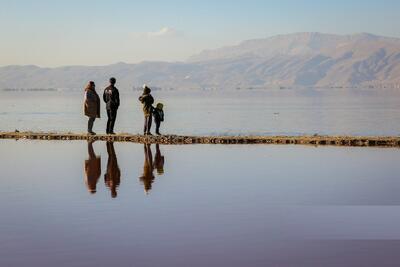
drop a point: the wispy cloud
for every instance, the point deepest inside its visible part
(163, 32)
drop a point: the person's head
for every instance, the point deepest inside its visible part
(113, 81)
(159, 106)
(146, 89)
(90, 86)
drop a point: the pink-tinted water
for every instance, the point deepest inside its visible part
(123, 204)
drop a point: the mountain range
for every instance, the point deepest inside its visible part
(293, 60)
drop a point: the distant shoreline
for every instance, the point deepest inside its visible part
(249, 89)
(31, 90)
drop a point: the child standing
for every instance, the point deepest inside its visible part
(158, 114)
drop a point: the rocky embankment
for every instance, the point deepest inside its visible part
(357, 141)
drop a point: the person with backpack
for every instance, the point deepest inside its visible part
(111, 98)
(147, 100)
(158, 114)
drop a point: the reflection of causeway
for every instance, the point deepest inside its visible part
(112, 177)
(147, 177)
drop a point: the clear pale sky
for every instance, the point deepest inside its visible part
(100, 32)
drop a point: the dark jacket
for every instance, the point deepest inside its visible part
(158, 114)
(111, 97)
(147, 101)
(91, 106)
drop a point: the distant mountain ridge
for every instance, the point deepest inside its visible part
(295, 44)
(293, 60)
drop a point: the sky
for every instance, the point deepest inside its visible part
(52, 33)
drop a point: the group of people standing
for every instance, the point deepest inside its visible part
(112, 100)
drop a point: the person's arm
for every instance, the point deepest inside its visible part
(104, 96)
(85, 96)
(117, 98)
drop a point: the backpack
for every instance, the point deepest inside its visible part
(158, 114)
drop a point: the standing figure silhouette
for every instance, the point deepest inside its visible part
(112, 178)
(92, 169)
(147, 177)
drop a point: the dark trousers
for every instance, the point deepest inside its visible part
(147, 123)
(158, 123)
(112, 116)
(90, 124)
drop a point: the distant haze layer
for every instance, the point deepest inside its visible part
(294, 60)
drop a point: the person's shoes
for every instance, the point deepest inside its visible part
(112, 133)
(158, 133)
(92, 133)
(149, 133)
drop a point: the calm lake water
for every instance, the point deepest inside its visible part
(123, 204)
(291, 112)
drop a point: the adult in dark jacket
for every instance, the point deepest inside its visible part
(91, 105)
(111, 98)
(147, 100)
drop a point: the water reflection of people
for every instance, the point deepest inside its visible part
(112, 178)
(147, 177)
(92, 169)
(159, 161)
